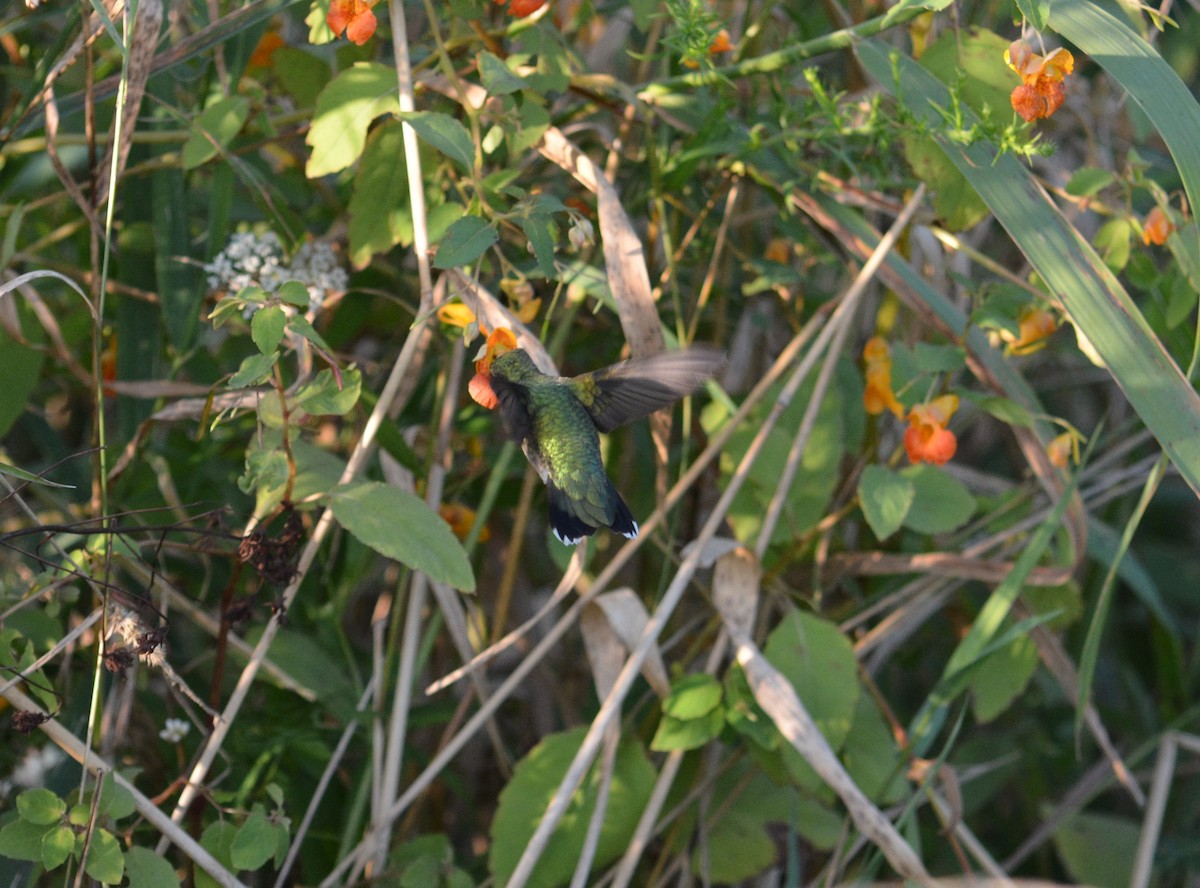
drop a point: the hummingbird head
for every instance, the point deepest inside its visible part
(499, 341)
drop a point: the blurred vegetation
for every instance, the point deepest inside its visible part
(946, 493)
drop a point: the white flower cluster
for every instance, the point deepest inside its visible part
(31, 771)
(174, 730)
(253, 259)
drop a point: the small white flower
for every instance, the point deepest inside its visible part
(174, 730)
(32, 770)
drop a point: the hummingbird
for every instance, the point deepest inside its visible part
(557, 421)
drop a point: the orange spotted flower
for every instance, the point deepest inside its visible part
(927, 439)
(1035, 325)
(461, 520)
(1063, 449)
(1157, 227)
(720, 43)
(499, 341)
(354, 17)
(1042, 88)
(878, 394)
(522, 8)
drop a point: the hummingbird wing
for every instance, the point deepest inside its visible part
(638, 387)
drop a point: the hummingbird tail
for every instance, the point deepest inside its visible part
(570, 528)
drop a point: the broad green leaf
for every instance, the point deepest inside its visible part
(254, 843)
(294, 293)
(1094, 299)
(324, 397)
(534, 781)
(540, 229)
(213, 130)
(301, 326)
(253, 370)
(819, 662)
(104, 861)
(1098, 849)
(496, 78)
(345, 110)
(317, 471)
(379, 210)
(939, 358)
(148, 870)
(217, 840)
(1035, 12)
(301, 74)
(445, 134)
(535, 120)
(40, 806)
(57, 846)
(971, 61)
(1087, 181)
(941, 502)
(1001, 678)
(20, 367)
(885, 497)
(871, 756)
(399, 525)
(691, 733)
(1003, 409)
(1114, 240)
(266, 328)
(464, 242)
(693, 696)
(743, 713)
(22, 840)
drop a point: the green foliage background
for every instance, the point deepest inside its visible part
(242, 475)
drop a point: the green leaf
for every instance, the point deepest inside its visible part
(1088, 181)
(464, 242)
(496, 78)
(1036, 12)
(886, 497)
(40, 806)
(1098, 849)
(814, 656)
(939, 358)
(399, 525)
(217, 840)
(871, 756)
(294, 293)
(540, 229)
(254, 843)
(266, 328)
(148, 870)
(22, 840)
(57, 846)
(379, 210)
(534, 781)
(693, 696)
(941, 504)
(345, 110)
(692, 733)
(1003, 409)
(1114, 240)
(445, 134)
(1002, 677)
(743, 713)
(317, 471)
(213, 130)
(301, 74)
(253, 370)
(104, 861)
(323, 397)
(20, 367)
(301, 326)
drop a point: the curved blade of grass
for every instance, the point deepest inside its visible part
(1097, 303)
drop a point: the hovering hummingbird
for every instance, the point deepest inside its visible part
(557, 420)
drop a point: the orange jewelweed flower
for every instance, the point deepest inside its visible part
(264, 52)
(720, 43)
(461, 519)
(354, 17)
(1035, 324)
(455, 314)
(499, 341)
(1063, 449)
(1157, 227)
(522, 8)
(878, 394)
(1042, 88)
(927, 439)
